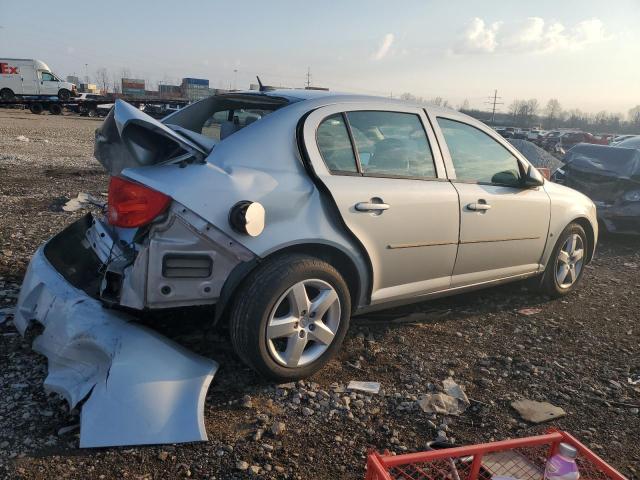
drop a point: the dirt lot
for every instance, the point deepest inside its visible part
(576, 353)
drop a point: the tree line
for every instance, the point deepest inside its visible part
(530, 113)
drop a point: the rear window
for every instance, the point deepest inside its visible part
(226, 122)
(220, 116)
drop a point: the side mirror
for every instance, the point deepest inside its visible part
(533, 178)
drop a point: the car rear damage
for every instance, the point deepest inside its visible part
(147, 252)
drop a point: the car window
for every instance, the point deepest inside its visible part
(335, 146)
(391, 143)
(477, 157)
(224, 123)
(47, 77)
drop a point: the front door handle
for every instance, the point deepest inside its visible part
(371, 207)
(481, 207)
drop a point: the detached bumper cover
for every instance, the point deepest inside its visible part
(142, 388)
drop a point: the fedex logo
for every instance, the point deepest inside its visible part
(5, 68)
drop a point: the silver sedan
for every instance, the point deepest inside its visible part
(290, 211)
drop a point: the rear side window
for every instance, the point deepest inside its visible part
(477, 157)
(335, 146)
(391, 144)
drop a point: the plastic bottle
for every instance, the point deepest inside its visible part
(562, 465)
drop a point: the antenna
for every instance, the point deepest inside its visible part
(308, 77)
(262, 89)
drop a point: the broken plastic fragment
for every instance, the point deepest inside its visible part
(83, 200)
(453, 402)
(140, 387)
(367, 387)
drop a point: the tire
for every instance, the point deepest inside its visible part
(36, 108)
(92, 112)
(7, 94)
(55, 109)
(551, 281)
(64, 94)
(265, 310)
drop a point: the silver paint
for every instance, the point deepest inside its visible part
(140, 387)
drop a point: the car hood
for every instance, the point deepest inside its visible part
(131, 138)
(601, 172)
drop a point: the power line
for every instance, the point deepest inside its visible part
(493, 100)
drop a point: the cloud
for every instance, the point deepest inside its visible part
(478, 37)
(533, 35)
(385, 45)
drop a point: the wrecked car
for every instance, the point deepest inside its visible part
(610, 176)
(291, 211)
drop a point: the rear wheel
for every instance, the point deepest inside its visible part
(290, 316)
(566, 264)
(7, 94)
(55, 109)
(36, 108)
(64, 94)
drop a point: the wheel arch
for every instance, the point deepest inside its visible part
(333, 255)
(591, 235)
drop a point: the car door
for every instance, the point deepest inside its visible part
(385, 174)
(48, 83)
(503, 224)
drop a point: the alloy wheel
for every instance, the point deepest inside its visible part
(570, 261)
(303, 323)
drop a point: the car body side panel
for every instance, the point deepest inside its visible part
(260, 163)
(509, 238)
(409, 254)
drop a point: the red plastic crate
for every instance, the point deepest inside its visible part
(523, 459)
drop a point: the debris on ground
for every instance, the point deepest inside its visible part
(22, 138)
(529, 311)
(537, 412)
(453, 402)
(367, 387)
(83, 200)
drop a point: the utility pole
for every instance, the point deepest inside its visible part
(308, 77)
(493, 100)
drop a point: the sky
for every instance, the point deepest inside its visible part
(584, 53)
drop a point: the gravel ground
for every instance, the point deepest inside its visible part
(576, 353)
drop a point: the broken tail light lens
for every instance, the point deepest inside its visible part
(133, 205)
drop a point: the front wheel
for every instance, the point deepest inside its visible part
(566, 265)
(64, 94)
(290, 316)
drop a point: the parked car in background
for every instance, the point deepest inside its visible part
(29, 77)
(631, 141)
(533, 135)
(569, 139)
(620, 138)
(312, 207)
(610, 176)
(549, 141)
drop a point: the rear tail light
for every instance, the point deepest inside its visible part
(132, 204)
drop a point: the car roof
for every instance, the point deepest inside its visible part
(296, 95)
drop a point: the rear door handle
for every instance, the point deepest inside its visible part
(371, 207)
(479, 206)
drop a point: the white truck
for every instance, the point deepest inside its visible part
(27, 77)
